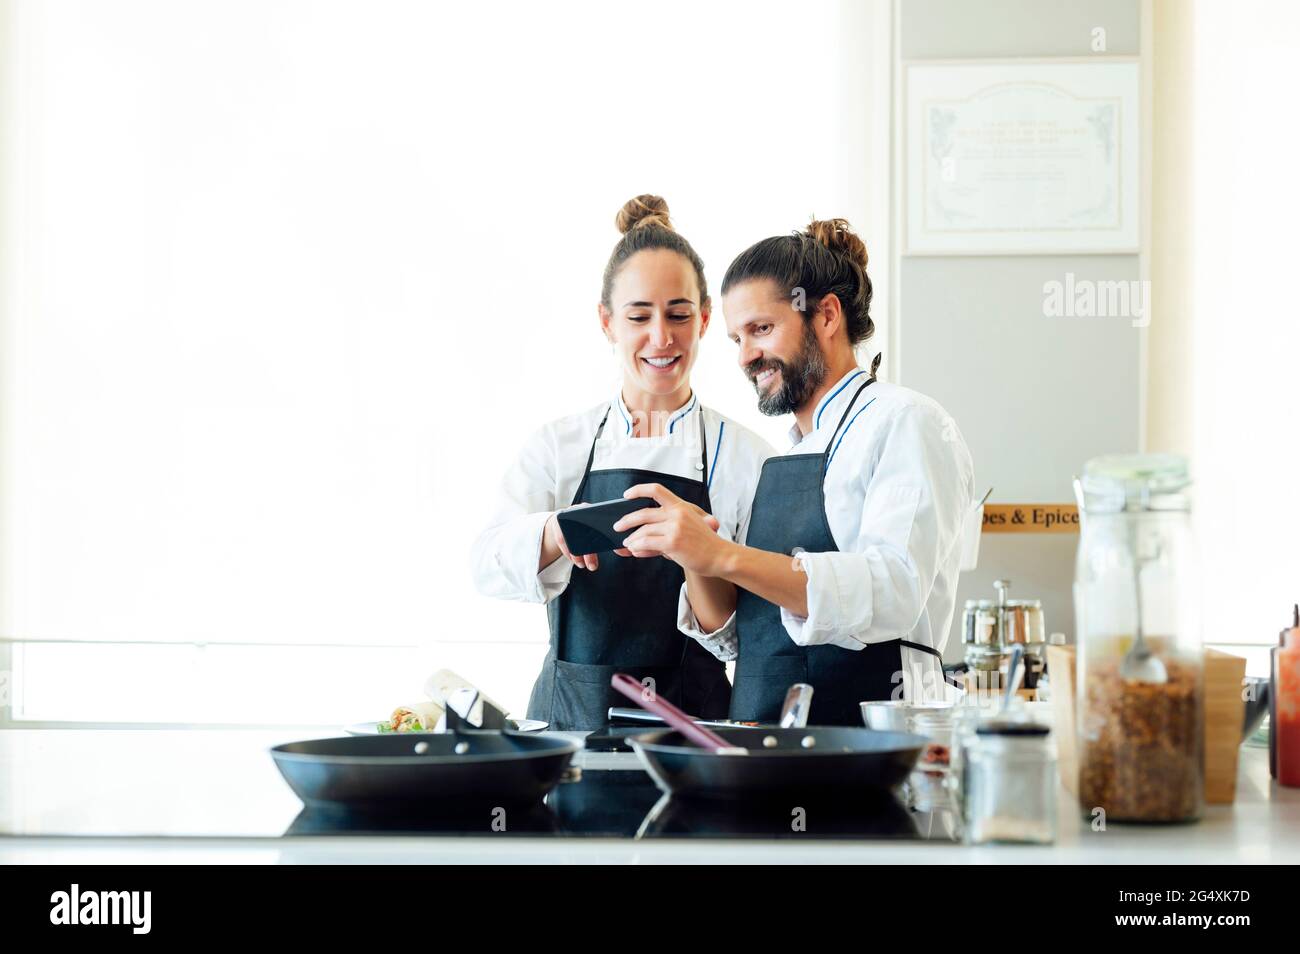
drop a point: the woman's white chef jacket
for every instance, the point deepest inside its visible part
(546, 475)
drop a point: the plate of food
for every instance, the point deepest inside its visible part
(467, 701)
(423, 717)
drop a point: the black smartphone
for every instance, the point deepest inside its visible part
(590, 529)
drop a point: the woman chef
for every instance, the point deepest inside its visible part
(614, 613)
(849, 570)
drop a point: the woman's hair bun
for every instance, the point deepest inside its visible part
(642, 212)
(836, 235)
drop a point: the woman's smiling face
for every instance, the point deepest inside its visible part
(655, 320)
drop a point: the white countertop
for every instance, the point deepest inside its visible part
(80, 796)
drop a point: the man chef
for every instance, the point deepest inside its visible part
(847, 576)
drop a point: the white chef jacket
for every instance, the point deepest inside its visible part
(899, 487)
(549, 469)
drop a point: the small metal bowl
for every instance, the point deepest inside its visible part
(894, 715)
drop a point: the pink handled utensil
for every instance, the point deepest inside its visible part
(675, 717)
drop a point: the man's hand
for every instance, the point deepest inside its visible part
(680, 531)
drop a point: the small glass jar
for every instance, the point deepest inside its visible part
(934, 721)
(1009, 783)
(928, 786)
(980, 635)
(1024, 625)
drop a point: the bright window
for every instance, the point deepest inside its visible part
(1245, 335)
(286, 284)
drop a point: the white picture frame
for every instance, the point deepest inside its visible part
(1022, 157)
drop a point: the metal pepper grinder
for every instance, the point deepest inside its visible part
(1020, 622)
(1003, 626)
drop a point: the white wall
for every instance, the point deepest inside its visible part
(1034, 396)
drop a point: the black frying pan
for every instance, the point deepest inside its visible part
(821, 761)
(694, 761)
(417, 769)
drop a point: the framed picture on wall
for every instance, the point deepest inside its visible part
(1021, 157)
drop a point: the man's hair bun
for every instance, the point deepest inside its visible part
(836, 235)
(826, 258)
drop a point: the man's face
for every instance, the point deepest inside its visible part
(779, 352)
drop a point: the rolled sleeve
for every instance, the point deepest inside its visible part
(553, 579)
(843, 594)
(721, 642)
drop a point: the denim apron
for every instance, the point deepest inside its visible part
(622, 617)
(789, 511)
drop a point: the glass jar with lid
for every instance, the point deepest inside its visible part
(1140, 680)
(1009, 783)
(984, 655)
(1023, 623)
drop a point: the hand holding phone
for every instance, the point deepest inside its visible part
(590, 529)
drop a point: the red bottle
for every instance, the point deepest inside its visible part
(1286, 683)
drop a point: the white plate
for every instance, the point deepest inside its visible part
(372, 728)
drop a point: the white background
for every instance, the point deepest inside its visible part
(286, 285)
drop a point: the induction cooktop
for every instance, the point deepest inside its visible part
(627, 804)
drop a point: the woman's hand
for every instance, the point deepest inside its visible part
(554, 546)
(680, 531)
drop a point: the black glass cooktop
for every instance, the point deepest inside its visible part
(627, 804)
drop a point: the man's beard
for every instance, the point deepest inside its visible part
(800, 377)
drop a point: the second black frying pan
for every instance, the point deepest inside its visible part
(819, 761)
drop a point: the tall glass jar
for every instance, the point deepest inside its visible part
(1140, 664)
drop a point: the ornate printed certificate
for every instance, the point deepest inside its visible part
(1022, 157)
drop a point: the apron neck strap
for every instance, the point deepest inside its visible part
(704, 463)
(591, 457)
(845, 416)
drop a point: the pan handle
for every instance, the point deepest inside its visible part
(674, 716)
(794, 713)
(633, 714)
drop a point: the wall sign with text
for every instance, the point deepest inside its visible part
(1022, 156)
(1031, 518)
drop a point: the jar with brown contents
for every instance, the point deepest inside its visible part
(1140, 661)
(1141, 744)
